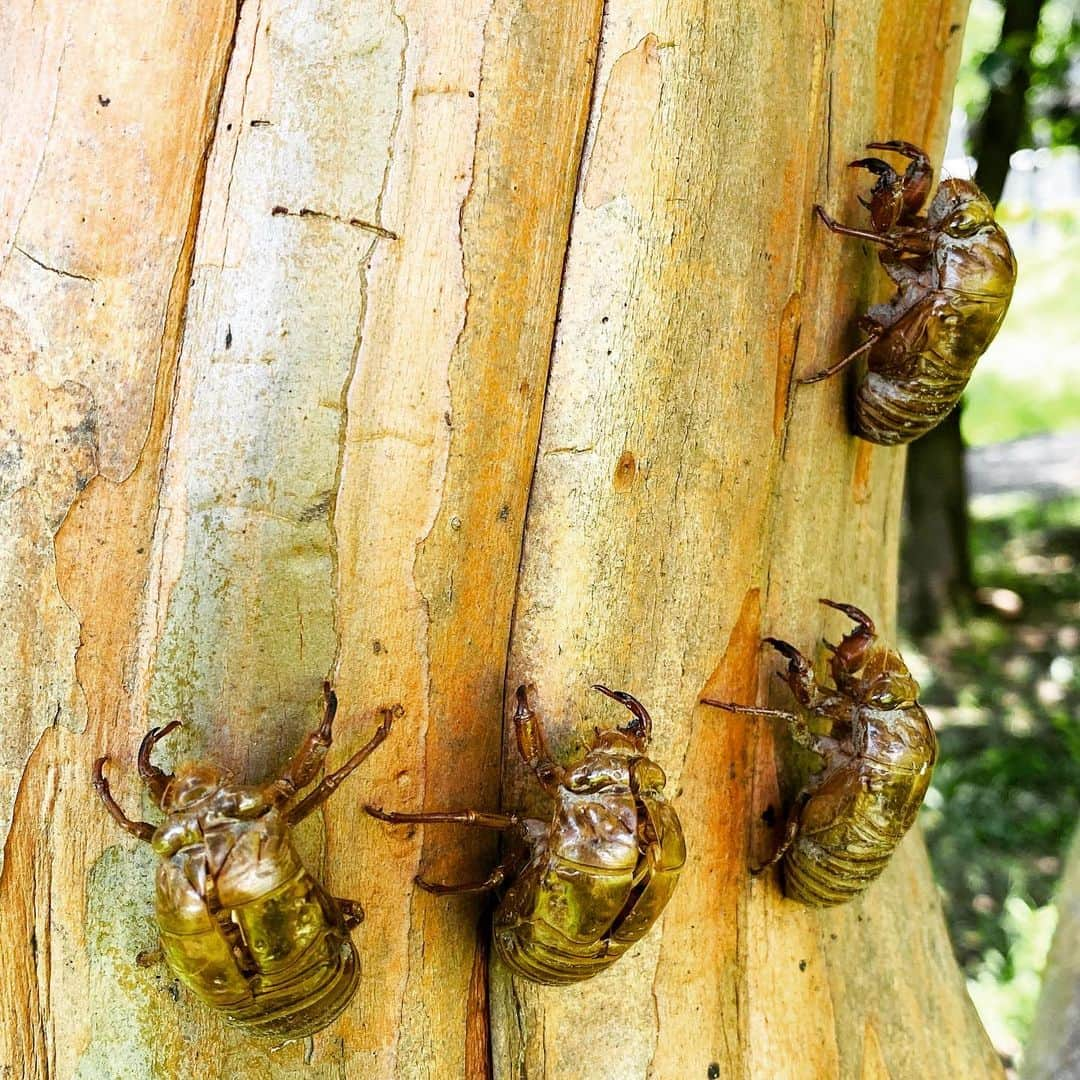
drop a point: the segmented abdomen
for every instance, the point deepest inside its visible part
(563, 921)
(900, 399)
(832, 867)
(893, 411)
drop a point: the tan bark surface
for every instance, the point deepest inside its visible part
(434, 348)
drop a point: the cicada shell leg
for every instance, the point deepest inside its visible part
(352, 910)
(318, 795)
(492, 881)
(141, 829)
(886, 202)
(800, 733)
(791, 831)
(641, 726)
(862, 234)
(917, 179)
(477, 818)
(749, 710)
(532, 745)
(799, 676)
(850, 654)
(308, 760)
(793, 823)
(155, 779)
(839, 366)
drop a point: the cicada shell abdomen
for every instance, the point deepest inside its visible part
(592, 891)
(849, 829)
(250, 932)
(898, 402)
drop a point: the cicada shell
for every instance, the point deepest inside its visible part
(577, 891)
(954, 273)
(245, 927)
(877, 762)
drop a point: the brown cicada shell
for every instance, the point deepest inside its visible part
(878, 758)
(242, 923)
(954, 273)
(582, 888)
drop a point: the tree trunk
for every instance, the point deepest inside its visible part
(1004, 124)
(1053, 1051)
(935, 551)
(489, 314)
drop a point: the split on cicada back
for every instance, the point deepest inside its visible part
(245, 927)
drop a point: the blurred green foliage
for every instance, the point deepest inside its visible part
(1004, 693)
(1005, 987)
(1003, 686)
(986, 60)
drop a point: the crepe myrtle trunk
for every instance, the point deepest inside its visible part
(433, 349)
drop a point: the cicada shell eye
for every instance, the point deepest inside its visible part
(647, 776)
(965, 223)
(893, 689)
(956, 200)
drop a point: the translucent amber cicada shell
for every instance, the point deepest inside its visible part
(954, 273)
(577, 891)
(877, 761)
(245, 927)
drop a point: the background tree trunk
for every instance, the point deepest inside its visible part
(489, 314)
(1005, 124)
(935, 550)
(1053, 1051)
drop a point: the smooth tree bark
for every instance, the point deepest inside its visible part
(1053, 1050)
(435, 348)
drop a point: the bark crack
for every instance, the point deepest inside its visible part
(343, 425)
(830, 37)
(579, 179)
(359, 223)
(343, 432)
(180, 289)
(53, 269)
(827, 75)
(240, 116)
(44, 151)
